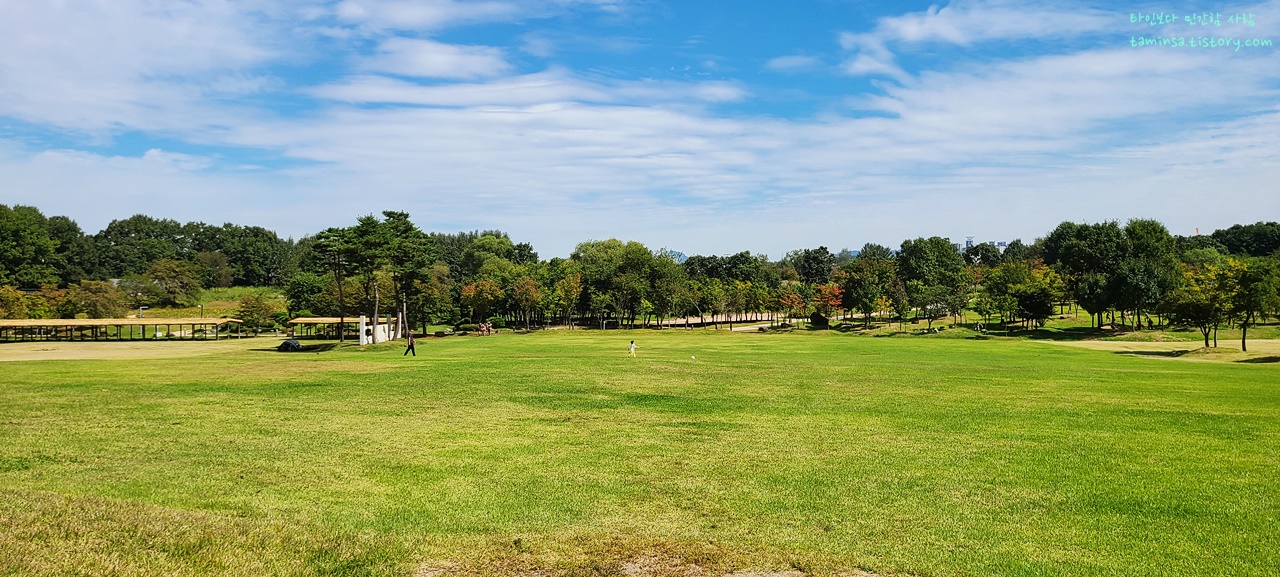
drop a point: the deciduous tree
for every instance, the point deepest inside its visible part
(568, 291)
(480, 296)
(28, 254)
(1257, 239)
(527, 295)
(1256, 291)
(96, 300)
(178, 282)
(1203, 300)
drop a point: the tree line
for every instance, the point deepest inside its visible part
(1134, 276)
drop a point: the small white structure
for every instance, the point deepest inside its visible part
(376, 332)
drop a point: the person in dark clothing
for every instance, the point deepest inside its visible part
(410, 341)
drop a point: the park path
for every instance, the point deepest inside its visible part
(1261, 351)
(133, 350)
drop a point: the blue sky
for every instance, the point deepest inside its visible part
(705, 127)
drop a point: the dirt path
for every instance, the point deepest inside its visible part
(1260, 351)
(70, 350)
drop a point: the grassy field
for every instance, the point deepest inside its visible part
(553, 454)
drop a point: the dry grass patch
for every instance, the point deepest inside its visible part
(623, 555)
(50, 534)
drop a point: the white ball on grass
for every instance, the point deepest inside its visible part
(692, 357)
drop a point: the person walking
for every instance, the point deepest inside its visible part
(632, 354)
(410, 349)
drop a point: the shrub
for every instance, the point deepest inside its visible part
(497, 322)
(466, 328)
(256, 311)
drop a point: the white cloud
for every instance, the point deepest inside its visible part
(1010, 138)
(683, 180)
(538, 44)
(967, 22)
(719, 91)
(553, 86)
(97, 65)
(612, 6)
(431, 59)
(421, 14)
(531, 89)
(872, 57)
(791, 63)
(177, 160)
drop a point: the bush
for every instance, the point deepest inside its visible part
(497, 322)
(256, 311)
(471, 328)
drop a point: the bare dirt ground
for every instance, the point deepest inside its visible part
(1260, 351)
(84, 350)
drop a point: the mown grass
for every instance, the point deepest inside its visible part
(553, 453)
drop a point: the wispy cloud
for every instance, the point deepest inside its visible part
(792, 63)
(964, 23)
(554, 86)
(421, 14)
(431, 59)
(177, 160)
(97, 66)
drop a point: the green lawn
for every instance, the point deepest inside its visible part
(554, 454)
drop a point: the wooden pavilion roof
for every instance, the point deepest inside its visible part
(150, 322)
(332, 320)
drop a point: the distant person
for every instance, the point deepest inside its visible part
(632, 353)
(410, 342)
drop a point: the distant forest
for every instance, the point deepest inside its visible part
(50, 268)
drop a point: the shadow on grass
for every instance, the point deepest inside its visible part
(1261, 360)
(1169, 354)
(305, 349)
(1067, 334)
